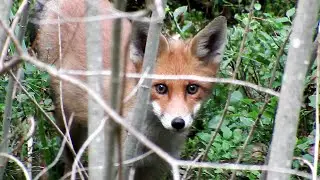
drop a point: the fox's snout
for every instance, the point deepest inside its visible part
(175, 119)
(178, 123)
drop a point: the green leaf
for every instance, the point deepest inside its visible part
(245, 21)
(308, 157)
(47, 101)
(248, 101)
(236, 96)
(29, 68)
(217, 146)
(290, 12)
(303, 146)
(257, 6)
(246, 121)
(226, 132)
(22, 98)
(179, 11)
(312, 99)
(186, 26)
(225, 145)
(213, 123)
(237, 135)
(204, 136)
(282, 20)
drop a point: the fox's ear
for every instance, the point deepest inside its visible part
(138, 42)
(208, 45)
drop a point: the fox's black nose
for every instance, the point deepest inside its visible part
(178, 123)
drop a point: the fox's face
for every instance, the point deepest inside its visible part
(176, 102)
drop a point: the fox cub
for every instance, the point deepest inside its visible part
(174, 103)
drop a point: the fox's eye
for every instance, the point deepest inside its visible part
(192, 88)
(161, 88)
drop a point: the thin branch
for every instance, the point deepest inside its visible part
(174, 77)
(9, 64)
(55, 161)
(13, 38)
(19, 163)
(136, 87)
(231, 87)
(316, 149)
(175, 172)
(242, 167)
(49, 119)
(135, 159)
(64, 119)
(5, 7)
(32, 127)
(21, 10)
(140, 15)
(139, 117)
(188, 168)
(86, 143)
(308, 163)
(113, 130)
(59, 154)
(264, 106)
(114, 14)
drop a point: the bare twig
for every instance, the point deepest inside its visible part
(91, 137)
(50, 120)
(32, 127)
(135, 159)
(317, 138)
(308, 163)
(55, 161)
(22, 9)
(231, 88)
(19, 163)
(59, 154)
(136, 88)
(6, 124)
(114, 14)
(138, 119)
(8, 65)
(64, 119)
(263, 107)
(113, 130)
(241, 167)
(175, 172)
(184, 177)
(4, 16)
(174, 77)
